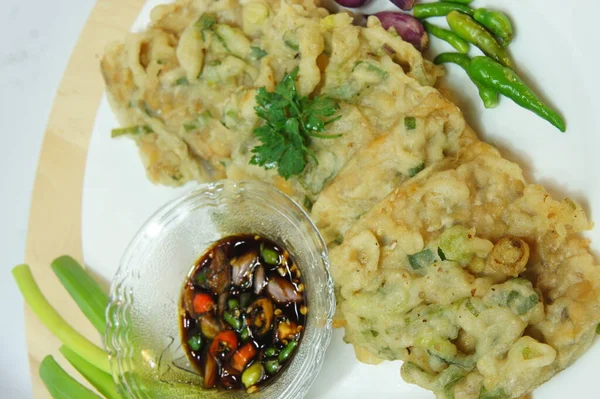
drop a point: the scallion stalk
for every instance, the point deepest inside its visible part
(60, 384)
(100, 380)
(85, 291)
(54, 321)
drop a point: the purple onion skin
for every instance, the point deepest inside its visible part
(352, 3)
(409, 28)
(404, 4)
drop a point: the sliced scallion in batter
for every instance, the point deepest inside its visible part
(421, 259)
(412, 172)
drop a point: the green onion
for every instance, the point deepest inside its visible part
(421, 259)
(441, 254)
(412, 172)
(512, 296)
(410, 123)
(232, 321)
(527, 304)
(256, 53)
(190, 126)
(472, 308)
(454, 243)
(60, 384)
(269, 255)
(54, 322)
(598, 329)
(100, 380)
(497, 393)
(183, 81)
(131, 130)
(206, 21)
(292, 44)
(371, 69)
(307, 203)
(85, 291)
(195, 343)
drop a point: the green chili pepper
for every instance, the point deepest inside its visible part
(496, 22)
(468, 29)
(270, 351)
(232, 321)
(245, 334)
(439, 9)
(488, 96)
(253, 374)
(286, 352)
(452, 38)
(269, 255)
(272, 366)
(458, 1)
(195, 342)
(506, 82)
(233, 304)
(245, 299)
(201, 277)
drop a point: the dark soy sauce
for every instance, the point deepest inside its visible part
(243, 313)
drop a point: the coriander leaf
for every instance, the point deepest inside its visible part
(293, 128)
(287, 87)
(290, 120)
(293, 162)
(322, 106)
(312, 123)
(270, 152)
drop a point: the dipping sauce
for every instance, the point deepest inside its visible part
(243, 312)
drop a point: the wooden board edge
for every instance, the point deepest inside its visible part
(56, 203)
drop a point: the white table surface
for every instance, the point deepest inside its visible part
(38, 37)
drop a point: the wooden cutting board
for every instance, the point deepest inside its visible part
(56, 203)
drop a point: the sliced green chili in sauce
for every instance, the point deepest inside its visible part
(243, 313)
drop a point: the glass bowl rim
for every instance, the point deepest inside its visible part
(160, 217)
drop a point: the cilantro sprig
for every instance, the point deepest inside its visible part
(290, 122)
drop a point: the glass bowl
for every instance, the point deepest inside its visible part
(143, 333)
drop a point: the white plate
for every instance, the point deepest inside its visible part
(556, 51)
